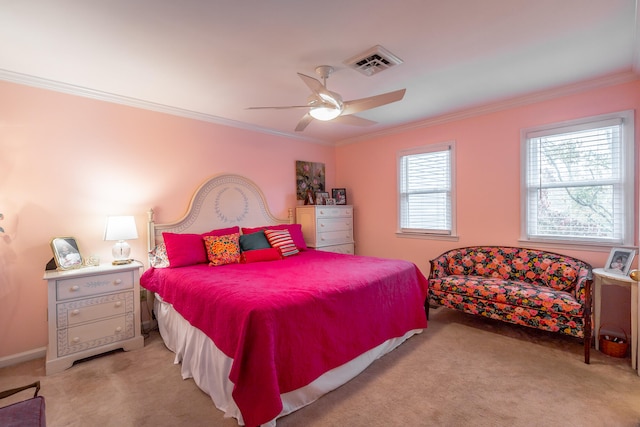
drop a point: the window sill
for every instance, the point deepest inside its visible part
(573, 246)
(427, 236)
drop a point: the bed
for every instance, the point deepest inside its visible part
(265, 334)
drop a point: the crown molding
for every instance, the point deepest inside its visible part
(56, 86)
(506, 104)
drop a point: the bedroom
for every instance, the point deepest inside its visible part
(69, 161)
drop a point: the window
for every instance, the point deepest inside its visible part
(426, 190)
(578, 181)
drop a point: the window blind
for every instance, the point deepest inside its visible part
(576, 183)
(426, 191)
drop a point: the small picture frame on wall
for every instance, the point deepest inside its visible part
(340, 194)
(66, 253)
(620, 260)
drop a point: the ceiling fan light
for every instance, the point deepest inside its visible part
(324, 113)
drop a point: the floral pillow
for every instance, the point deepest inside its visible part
(560, 276)
(223, 250)
(158, 257)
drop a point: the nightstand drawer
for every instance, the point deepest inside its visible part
(93, 285)
(334, 224)
(96, 334)
(92, 309)
(334, 212)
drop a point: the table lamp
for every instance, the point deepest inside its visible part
(121, 228)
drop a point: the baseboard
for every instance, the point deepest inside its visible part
(14, 359)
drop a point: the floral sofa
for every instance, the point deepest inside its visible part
(527, 287)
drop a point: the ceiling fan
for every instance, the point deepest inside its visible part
(325, 105)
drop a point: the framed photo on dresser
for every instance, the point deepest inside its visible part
(340, 195)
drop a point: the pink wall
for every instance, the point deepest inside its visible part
(66, 162)
(488, 176)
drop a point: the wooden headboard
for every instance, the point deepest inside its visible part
(220, 202)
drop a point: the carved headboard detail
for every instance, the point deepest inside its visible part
(220, 202)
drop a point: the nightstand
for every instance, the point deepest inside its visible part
(602, 277)
(92, 310)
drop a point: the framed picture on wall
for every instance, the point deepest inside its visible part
(620, 260)
(340, 194)
(66, 253)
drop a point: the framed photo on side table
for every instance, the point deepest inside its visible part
(66, 253)
(340, 194)
(619, 261)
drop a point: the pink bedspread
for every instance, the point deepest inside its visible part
(284, 323)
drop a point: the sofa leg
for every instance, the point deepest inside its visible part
(587, 349)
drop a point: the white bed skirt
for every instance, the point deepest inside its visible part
(209, 367)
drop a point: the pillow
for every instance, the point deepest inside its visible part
(188, 249)
(158, 257)
(294, 229)
(223, 250)
(253, 241)
(560, 276)
(257, 255)
(282, 240)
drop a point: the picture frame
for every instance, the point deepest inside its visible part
(619, 261)
(66, 253)
(340, 194)
(331, 201)
(321, 197)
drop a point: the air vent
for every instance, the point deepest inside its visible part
(373, 61)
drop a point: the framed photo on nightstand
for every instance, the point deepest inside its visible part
(66, 253)
(620, 260)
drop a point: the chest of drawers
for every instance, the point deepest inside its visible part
(92, 310)
(327, 227)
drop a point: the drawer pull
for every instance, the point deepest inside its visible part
(118, 329)
(119, 304)
(75, 288)
(76, 339)
(117, 281)
(75, 312)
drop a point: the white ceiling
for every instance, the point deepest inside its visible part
(211, 59)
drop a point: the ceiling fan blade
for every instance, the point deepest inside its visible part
(358, 105)
(304, 121)
(277, 108)
(354, 121)
(314, 84)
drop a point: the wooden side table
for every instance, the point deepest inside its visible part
(602, 277)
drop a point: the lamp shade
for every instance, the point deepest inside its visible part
(120, 228)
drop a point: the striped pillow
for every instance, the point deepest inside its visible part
(282, 240)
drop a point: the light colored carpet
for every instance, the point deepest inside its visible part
(462, 371)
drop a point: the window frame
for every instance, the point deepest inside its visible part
(451, 234)
(627, 180)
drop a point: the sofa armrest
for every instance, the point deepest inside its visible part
(439, 267)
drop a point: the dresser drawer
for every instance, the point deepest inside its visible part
(93, 285)
(346, 248)
(96, 334)
(334, 224)
(334, 237)
(334, 212)
(92, 309)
